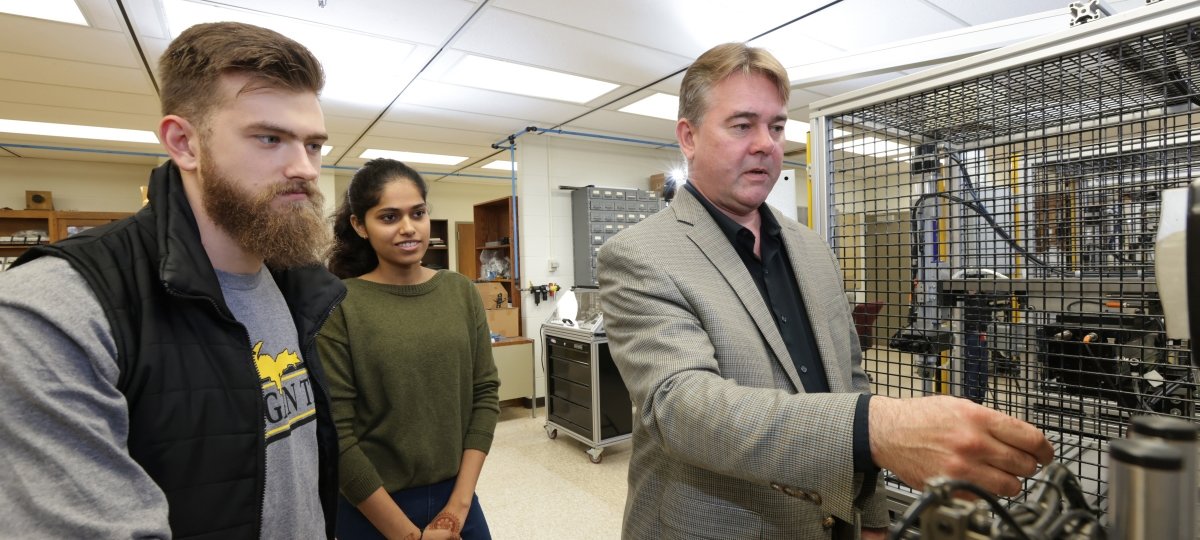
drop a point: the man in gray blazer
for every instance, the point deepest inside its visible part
(730, 327)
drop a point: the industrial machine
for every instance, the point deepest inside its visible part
(1009, 211)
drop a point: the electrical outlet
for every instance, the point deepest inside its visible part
(553, 264)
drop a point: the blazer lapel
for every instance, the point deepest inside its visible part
(804, 256)
(711, 240)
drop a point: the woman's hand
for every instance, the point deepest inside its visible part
(450, 518)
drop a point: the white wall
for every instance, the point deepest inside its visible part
(547, 162)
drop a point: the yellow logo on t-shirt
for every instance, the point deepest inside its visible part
(273, 368)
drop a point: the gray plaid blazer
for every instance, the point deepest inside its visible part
(726, 443)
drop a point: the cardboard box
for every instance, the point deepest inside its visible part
(658, 182)
(504, 321)
(490, 292)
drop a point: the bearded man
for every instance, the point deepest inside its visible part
(159, 376)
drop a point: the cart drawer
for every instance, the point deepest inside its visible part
(577, 417)
(570, 391)
(571, 371)
(571, 350)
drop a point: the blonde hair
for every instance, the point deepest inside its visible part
(720, 62)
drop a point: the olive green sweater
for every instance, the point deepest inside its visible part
(412, 381)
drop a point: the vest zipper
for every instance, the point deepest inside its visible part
(258, 409)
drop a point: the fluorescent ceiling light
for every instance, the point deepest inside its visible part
(502, 165)
(434, 159)
(52, 10)
(659, 105)
(77, 132)
(870, 146)
(795, 131)
(326, 149)
(352, 61)
(479, 72)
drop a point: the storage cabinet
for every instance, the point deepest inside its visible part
(514, 364)
(69, 223)
(599, 213)
(495, 232)
(437, 256)
(23, 229)
(586, 397)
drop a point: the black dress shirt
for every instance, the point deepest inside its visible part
(777, 284)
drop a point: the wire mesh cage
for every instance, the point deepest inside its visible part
(995, 223)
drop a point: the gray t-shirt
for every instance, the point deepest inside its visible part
(292, 508)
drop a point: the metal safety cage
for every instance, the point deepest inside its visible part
(995, 223)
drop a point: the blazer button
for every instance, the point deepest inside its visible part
(827, 522)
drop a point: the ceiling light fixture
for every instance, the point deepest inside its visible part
(489, 74)
(416, 157)
(351, 75)
(658, 105)
(795, 131)
(501, 165)
(52, 10)
(77, 132)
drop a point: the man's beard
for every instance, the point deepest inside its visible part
(286, 237)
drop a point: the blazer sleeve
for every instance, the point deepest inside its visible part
(696, 413)
(873, 499)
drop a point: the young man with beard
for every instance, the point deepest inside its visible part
(158, 376)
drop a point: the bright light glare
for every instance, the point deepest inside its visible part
(77, 132)
(659, 105)
(501, 165)
(52, 10)
(796, 129)
(352, 61)
(417, 157)
(870, 146)
(489, 74)
(326, 149)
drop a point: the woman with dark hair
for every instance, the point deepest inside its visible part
(411, 374)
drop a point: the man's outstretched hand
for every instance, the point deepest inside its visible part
(922, 438)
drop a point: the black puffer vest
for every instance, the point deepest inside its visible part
(196, 410)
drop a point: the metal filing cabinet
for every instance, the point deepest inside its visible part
(586, 398)
(599, 213)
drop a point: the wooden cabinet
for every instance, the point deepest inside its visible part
(514, 364)
(495, 232)
(70, 223)
(437, 256)
(23, 229)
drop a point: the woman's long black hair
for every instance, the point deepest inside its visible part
(352, 255)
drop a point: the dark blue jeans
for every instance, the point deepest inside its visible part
(420, 504)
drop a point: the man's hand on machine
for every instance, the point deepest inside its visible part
(922, 438)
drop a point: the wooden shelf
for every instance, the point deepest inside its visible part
(438, 257)
(496, 221)
(56, 225)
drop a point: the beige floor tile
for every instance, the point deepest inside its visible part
(533, 487)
